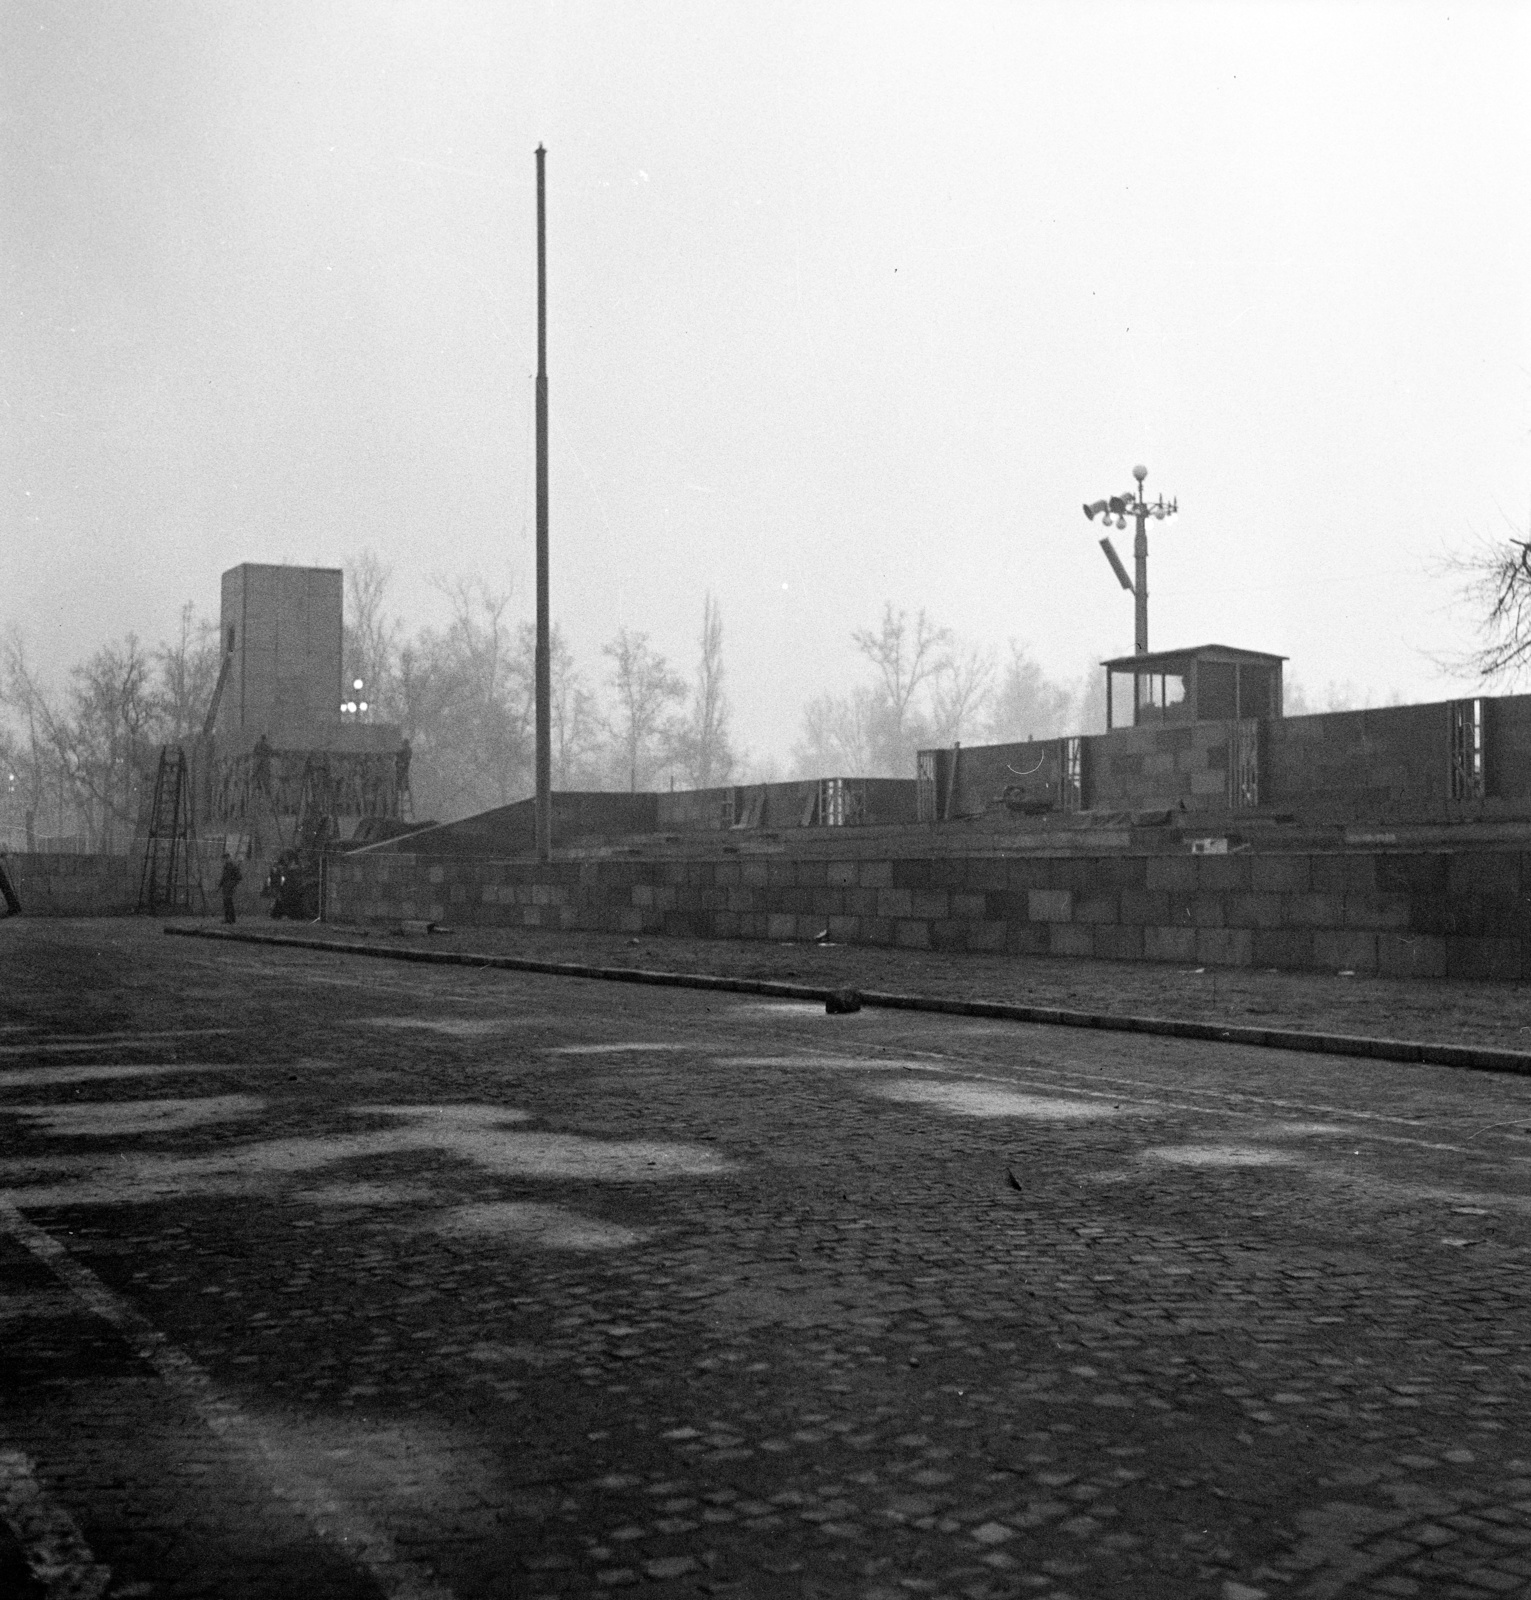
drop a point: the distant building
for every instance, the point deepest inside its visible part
(285, 758)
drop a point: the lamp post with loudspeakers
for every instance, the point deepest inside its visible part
(1134, 505)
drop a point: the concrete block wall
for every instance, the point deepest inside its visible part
(1430, 914)
(1383, 765)
(1388, 764)
(1155, 767)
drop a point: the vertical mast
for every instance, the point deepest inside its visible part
(544, 802)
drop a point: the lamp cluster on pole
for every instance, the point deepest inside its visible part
(352, 707)
(1119, 507)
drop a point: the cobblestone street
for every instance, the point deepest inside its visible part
(327, 1277)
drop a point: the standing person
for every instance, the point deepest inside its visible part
(228, 882)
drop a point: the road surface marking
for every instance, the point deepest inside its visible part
(340, 1525)
(54, 1548)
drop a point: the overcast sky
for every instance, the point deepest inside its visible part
(848, 303)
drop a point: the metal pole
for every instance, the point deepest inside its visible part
(1140, 564)
(544, 802)
(1140, 583)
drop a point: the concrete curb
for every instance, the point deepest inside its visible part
(1473, 1057)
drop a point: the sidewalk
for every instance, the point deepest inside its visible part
(1436, 1011)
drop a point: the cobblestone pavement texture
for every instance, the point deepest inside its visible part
(334, 1277)
(1440, 1011)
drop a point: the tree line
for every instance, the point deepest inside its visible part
(79, 762)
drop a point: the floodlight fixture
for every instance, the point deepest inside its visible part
(1117, 508)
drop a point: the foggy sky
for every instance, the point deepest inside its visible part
(847, 303)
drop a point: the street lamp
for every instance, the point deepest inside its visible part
(1121, 506)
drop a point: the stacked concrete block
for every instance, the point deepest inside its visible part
(1424, 914)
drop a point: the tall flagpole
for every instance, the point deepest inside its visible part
(544, 803)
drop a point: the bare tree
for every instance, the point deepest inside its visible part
(905, 659)
(960, 692)
(706, 754)
(187, 675)
(1494, 580)
(1028, 704)
(371, 637)
(646, 691)
(573, 715)
(839, 735)
(106, 739)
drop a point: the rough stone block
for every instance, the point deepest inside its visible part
(1421, 876)
(1071, 939)
(1343, 874)
(1253, 911)
(875, 874)
(781, 925)
(1290, 949)
(1224, 947)
(1172, 874)
(1497, 960)
(876, 930)
(1027, 938)
(948, 872)
(983, 935)
(1371, 910)
(1315, 910)
(1223, 874)
(1030, 872)
(1279, 874)
(912, 935)
(946, 934)
(894, 903)
(840, 874)
(1345, 950)
(1418, 955)
(1489, 872)
(911, 872)
(931, 903)
(1097, 908)
(1204, 910)
(986, 874)
(1050, 905)
(1145, 907)
(1119, 944)
(845, 930)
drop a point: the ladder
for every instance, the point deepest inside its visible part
(171, 871)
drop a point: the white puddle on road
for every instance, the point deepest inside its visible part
(987, 1100)
(481, 1136)
(525, 1222)
(455, 1027)
(1300, 1130)
(612, 1049)
(835, 1063)
(350, 1196)
(1220, 1155)
(109, 1119)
